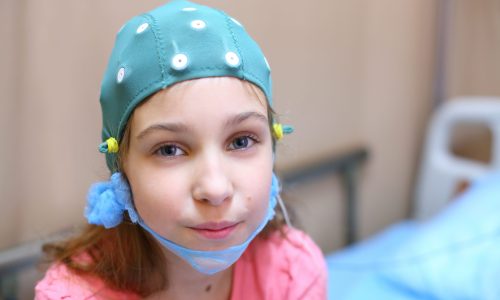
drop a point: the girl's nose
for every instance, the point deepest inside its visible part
(212, 183)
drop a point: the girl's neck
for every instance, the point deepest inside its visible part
(184, 282)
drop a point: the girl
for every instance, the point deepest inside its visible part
(189, 210)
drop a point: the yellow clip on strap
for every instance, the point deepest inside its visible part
(280, 130)
(109, 146)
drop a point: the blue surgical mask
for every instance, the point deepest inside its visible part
(211, 262)
(106, 202)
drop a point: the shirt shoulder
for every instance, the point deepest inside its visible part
(61, 283)
(281, 267)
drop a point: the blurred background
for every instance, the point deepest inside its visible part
(347, 74)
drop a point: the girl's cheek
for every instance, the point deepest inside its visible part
(155, 193)
(260, 199)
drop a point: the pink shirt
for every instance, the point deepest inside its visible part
(276, 268)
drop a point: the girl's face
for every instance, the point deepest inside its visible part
(200, 162)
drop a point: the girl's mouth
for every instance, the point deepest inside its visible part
(215, 230)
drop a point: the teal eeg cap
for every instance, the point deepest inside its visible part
(178, 41)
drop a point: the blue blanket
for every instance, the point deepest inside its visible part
(455, 255)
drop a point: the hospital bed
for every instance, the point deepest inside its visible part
(450, 249)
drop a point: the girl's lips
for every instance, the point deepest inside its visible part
(215, 230)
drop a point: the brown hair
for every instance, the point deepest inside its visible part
(126, 257)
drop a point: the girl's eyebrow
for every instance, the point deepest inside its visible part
(180, 127)
(239, 118)
(173, 127)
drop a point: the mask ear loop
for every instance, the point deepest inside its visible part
(279, 131)
(284, 211)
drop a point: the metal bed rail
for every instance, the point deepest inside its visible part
(347, 166)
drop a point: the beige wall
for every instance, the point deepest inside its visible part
(397, 91)
(474, 61)
(346, 73)
(10, 207)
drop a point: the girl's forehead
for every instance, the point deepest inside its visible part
(202, 98)
(224, 92)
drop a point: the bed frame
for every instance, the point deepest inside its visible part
(441, 171)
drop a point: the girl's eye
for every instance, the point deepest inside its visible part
(242, 142)
(170, 150)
